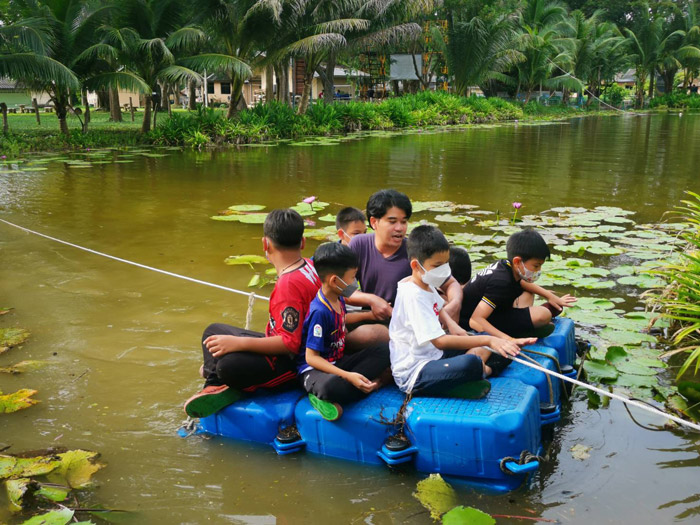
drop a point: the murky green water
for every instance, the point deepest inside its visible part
(123, 342)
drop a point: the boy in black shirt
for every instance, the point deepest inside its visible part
(499, 299)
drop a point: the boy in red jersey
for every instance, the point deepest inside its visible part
(242, 360)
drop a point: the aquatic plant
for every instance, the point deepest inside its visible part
(516, 207)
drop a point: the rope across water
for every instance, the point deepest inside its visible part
(253, 296)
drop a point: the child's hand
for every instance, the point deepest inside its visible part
(361, 382)
(220, 345)
(564, 300)
(525, 341)
(380, 308)
(504, 347)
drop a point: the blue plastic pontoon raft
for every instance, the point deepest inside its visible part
(491, 442)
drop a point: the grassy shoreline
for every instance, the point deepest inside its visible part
(263, 123)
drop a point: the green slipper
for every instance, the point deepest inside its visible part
(210, 400)
(470, 390)
(329, 411)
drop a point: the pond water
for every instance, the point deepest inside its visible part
(123, 343)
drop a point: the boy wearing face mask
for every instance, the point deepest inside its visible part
(329, 376)
(424, 359)
(350, 222)
(499, 299)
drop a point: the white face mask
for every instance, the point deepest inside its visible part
(528, 275)
(437, 276)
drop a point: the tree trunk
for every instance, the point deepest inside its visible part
(282, 83)
(652, 83)
(192, 96)
(3, 109)
(114, 109)
(86, 113)
(329, 80)
(237, 99)
(306, 93)
(527, 97)
(146, 126)
(565, 97)
(61, 113)
(103, 100)
(165, 89)
(269, 83)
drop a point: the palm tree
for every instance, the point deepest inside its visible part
(682, 49)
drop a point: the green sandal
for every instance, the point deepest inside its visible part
(471, 390)
(210, 400)
(329, 411)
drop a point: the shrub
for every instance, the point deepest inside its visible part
(615, 95)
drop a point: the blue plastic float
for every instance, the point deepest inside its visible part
(492, 442)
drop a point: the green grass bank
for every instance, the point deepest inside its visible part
(273, 121)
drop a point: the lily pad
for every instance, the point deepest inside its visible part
(252, 218)
(461, 515)
(436, 495)
(55, 517)
(247, 207)
(616, 354)
(600, 370)
(250, 260)
(580, 452)
(17, 401)
(22, 366)
(17, 489)
(329, 217)
(10, 337)
(75, 468)
(642, 281)
(625, 337)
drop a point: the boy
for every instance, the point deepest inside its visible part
(237, 359)
(499, 300)
(423, 358)
(460, 264)
(330, 377)
(350, 222)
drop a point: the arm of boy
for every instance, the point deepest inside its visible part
(314, 359)
(505, 347)
(479, 321)
(380, 308)
(454, 292)
(360, 317)
(559, 302)
(452, 327)
(220, 345)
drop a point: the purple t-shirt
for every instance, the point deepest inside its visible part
(377, 274)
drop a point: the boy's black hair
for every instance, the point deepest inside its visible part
(380, 202)
(460, 264)
(333, 258)
(527, 244)
(285, 228)
(348, 215)
(425, 241)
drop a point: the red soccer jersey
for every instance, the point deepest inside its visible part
(289, 304)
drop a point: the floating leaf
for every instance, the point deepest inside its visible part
(580, 452)
(17, 401)
(17, 489)
(462, 515)
(22, 366)
(635, 368)
(55, 517)
(75, 468)
(246, 259)
(436, 206)
(10, 337)
(642, 281)
(329, 217)
(247, 207)
(593, 303)
(12, 466)
(252, 218)
(4, 311)
(52, 492)
(447, 217)
(600, 370)
(615, 354)
(254, 281)
(625, 337)
(436, 495)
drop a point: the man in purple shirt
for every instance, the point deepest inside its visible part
(384, 262)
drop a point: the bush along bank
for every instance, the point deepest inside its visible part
(15, 143)
(278, 121)
(676, 101)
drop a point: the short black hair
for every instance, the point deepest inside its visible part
(347, 216)
(380, 202)
(425, 241)
(527, 244)
(460, 264)
(285, 228)
(334, 258)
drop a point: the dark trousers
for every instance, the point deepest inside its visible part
(370, 362)
(452, 370)
(246, 371)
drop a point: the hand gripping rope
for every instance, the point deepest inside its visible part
(253, 296)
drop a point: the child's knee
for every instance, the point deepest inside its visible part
(540, 316)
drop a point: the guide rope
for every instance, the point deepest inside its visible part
(253, 296)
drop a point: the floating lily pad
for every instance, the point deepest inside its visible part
(17, 489)
(17, 401)
(462, 515)
(55, 517)
(436, 206)
(600, 370)
(329, 217)
(33, 168)
(592, 283)
(247, 207)
(616, 354)
(436, 495)
(10, 337)
(574, 262)
(447, 217)
(75, 468)
(580, 452)
(22, 366)
(246, 259)
(625, 338)
(645, 281)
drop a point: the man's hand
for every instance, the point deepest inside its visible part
(380, 308)
(361, 382)
(561, 302)
(220, 345)
(504, 347)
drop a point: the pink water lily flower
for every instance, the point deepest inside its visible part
(517, 205)
(3, 157)
(309, 200)
(309, 222)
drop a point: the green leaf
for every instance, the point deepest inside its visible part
(580, 452)
(55, 493)
(615, 354)
(254, 281)
(247, 207)
(635, 368)
(620, 337)
(10, 337)
(245, 259)
(17, 401)
(463, 515)
(252, 218)
(436, 495)
(436, 206)
(11, 466)
(22, 366)
(54, 517)
(642, 281)
(447, 217)
(599, 370)
(17, 489)
(690, 390)
(329, 217)
(75, 468)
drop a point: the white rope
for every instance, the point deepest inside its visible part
(253, 296)
(249, 312)
(607, 394)
(139, 265)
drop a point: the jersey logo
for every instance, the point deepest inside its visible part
(318, 331)
(435, 309)
(290, 319)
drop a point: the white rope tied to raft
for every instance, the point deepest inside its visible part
(253, 296)
(249, 312)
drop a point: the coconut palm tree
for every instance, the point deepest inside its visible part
(682, 49)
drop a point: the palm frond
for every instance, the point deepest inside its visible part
(179, 75)
(188, 37)
(343, 25)
(33, 69)
(119, 79)
(218, 62)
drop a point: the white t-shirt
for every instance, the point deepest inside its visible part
(414, 323)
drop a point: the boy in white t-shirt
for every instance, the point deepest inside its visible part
(424, 359)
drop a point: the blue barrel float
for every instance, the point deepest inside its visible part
(493, 442)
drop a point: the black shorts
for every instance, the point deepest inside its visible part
(516, 322)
